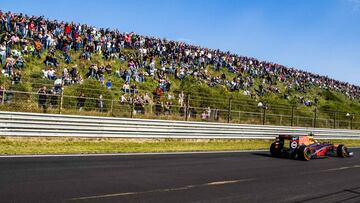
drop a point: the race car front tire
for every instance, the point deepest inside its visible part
(342, 151)
(304, 153)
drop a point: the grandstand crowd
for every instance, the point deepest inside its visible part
(154, 57)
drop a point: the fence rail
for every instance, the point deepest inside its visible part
(190, 109)
(48, 125)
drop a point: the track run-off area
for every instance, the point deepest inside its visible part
(179, 177)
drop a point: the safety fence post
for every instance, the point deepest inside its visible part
(61, 99)
(229, 111)
(187, 107)
(315, 117)
(264, 115)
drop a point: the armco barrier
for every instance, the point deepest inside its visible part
(47, 125)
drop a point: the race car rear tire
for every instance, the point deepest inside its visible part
(275, 149)
(304, 153)
(342, 151)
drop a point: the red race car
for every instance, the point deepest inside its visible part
(305, 148)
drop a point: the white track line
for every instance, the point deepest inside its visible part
(342, 168)
(217, 183)
(124, 154)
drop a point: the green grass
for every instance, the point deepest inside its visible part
(58, 145)
(86, 145)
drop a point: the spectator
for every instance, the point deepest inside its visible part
(126, 87)
(51, 61)
(204, 115)
(158, 108)
(38, 47)
(123, 99)
(42, 98)
(67, 57)
(192, 112)
(3, 53)
(50, 74)
(81, 101)
(16, 78)
(158, 92)
(100, 104)
(167, 108)
(147, 99)
(19, 62)
(181, 99)
(133, 89)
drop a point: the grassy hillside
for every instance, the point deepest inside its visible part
(332, 106)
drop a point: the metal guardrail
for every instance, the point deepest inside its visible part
(48, 125)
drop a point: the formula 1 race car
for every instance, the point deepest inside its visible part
(306, 148)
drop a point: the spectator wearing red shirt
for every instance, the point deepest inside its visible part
(67, 29)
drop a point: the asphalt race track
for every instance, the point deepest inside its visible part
(219, 177)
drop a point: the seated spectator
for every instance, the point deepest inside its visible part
(16, 78)
(126, 88)
(19, 62)
(123, 99)
(51, 61)
(108, 69)
(158, 92)
(74, 74)
(50, 74)
(58, 83)
(246, 93)
(119, 73)
(9, 67)
(93, 70)
(307, 102)
(15, 53)
(133, 89)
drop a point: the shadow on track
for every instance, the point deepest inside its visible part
(335, 195)
(263, 154)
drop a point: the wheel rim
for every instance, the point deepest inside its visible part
(344, 151)
(307, 154)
